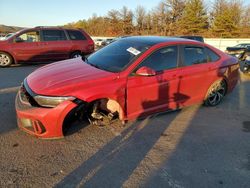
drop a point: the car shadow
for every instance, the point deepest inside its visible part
(119, 156)
(122, 155)
(246, 126)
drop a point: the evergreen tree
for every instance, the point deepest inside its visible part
(225, 19)
(194, 19)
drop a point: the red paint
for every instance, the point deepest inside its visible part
(137, 95)
(45, 50)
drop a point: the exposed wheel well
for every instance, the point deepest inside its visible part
(109, 105)
(85, 110)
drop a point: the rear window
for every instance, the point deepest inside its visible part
(194, 55)
(212, 56)
(76, 35)
(53, 35)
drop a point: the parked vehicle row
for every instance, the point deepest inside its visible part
(245, 61)
(130, 78)
(238, 49)
(102, 42)
(43, 44)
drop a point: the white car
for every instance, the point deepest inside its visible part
(3, 36)
(98, 42)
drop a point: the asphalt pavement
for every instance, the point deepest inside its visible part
(194, 147)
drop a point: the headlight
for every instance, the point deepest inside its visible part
(46, 101)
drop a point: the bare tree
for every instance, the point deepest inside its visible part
(140, 13)
(126, 16)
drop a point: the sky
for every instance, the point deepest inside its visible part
(31, 13)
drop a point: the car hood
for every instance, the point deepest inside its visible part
(64, 77)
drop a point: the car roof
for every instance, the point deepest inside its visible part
(152, 40)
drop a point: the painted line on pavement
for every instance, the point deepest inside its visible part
(9, 90)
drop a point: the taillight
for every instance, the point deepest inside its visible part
(91, 42)
(91, 45)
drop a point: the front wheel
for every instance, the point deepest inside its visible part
(216, 93)
(5, 59)
(76, 54)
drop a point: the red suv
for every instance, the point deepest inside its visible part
(44, 44)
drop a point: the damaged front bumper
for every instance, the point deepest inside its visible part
(39, 121)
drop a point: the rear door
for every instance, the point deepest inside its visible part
(197, 73)
(56, 43)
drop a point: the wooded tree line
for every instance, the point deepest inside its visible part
(223, 18)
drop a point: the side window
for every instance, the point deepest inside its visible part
(30, 36)
(212, 56)
(162, 59)
(54, 35)
(194, 55)
(76, 35)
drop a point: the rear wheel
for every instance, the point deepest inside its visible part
(5, 59)
(76, 54)
(216, 93)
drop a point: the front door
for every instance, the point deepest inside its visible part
(150, 94)
(27, 46)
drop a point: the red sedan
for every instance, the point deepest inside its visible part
(130, 78)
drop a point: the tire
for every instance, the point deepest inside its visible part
(76, 54)
(216, 93)
(5, 59)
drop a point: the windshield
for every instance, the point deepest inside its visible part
(116, 56)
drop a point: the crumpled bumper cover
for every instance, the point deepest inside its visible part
(39, 121)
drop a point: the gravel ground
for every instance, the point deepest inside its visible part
(193, 147)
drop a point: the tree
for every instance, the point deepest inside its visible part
(161, 12)
(126, 16)
(174, 13)
(245, 22)
(194, 19)
(226, 18)
(115, 25)
(140, 13)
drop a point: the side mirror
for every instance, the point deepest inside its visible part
(145, 71)
(18, 39)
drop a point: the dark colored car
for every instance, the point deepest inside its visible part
(130, 78)
(44, 44)
(237, 50)
(198, 38)
(245, 61)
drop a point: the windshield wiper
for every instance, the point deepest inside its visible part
(87, 61)
(96, 66)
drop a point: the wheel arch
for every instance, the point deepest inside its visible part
(75, 51)
(11, 55)
(112, 105)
